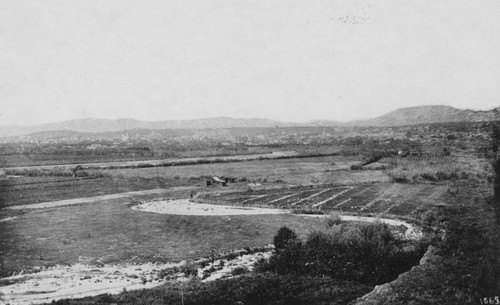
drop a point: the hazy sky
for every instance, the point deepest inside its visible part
(281, 59)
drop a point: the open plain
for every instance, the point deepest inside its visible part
(77, 231)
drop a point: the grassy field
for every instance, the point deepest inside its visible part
(81, 155)
(111, 232)
(312, 170)
(133, 164)
(16, 190)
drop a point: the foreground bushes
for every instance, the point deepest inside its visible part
(247, 289)
(368, 254)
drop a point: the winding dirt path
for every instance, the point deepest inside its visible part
(85, 200)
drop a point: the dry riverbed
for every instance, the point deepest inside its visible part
(185, 207)
(76, 281)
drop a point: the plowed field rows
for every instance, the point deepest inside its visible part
(378, 206)
(399, 199)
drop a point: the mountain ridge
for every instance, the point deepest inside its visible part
(399, 117)
(416, 115)
(93, 125)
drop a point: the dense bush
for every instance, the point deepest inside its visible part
(368, 254)
(239, 271)
(333, 219)
(284, 238)
(190, 269)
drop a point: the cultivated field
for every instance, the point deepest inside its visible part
(382, 198)
(18, 190)
(114, 216)
(311, 170)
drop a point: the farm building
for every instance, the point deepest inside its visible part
(215, 181)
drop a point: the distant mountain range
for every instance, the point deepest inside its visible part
(105, 125)
(399, 117)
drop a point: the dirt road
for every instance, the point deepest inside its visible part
(85, 200)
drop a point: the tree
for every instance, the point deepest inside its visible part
(284, 238)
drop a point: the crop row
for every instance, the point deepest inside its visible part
(361, 199)
(347, 196)
(277, 198)
(404, 208)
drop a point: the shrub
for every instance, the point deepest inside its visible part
(288, 260)
(356, 166)
(429, 177)
(284, 237)
(231, 256)
(168, 272)
(333, 219)
(400, 178)
(262, 266)
(430, 218)
(190, 269)
(239, 271)
(307, 211)
(368, 254)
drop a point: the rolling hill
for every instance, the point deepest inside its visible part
(430, 114)
(399, 117)
(421, 115)
(105, 125)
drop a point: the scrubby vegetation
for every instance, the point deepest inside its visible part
(460, 267)
(369, 254)
(405, 170)
(251, 289)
